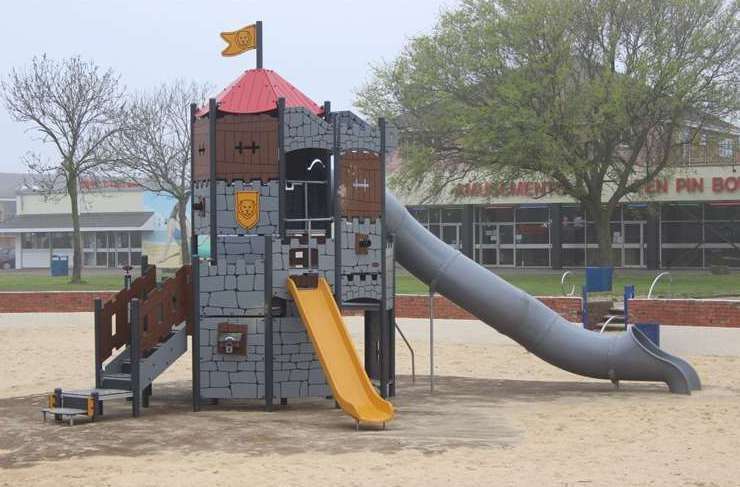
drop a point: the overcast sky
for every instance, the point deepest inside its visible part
(324, 47)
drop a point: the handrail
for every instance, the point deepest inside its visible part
(562, 284)
(411, 350)
(603, 327)
(655, 281)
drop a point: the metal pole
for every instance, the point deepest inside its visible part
(212, 115)
(282, 169)
(431, 338)
(385, 348)
(98, 371)
(336, 181)
(195, 355)
(268, 324)
(135, 357)
(259, 44)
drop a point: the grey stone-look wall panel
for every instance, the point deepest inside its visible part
(225, 198)
(297, 370)
(361, 278)
(304, 130)
(356, 134)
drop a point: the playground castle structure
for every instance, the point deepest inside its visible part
(291, 225)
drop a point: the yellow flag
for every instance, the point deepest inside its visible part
(240, 41)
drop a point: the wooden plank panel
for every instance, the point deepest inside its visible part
(361, 184)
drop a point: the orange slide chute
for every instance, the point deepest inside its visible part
(352, 388)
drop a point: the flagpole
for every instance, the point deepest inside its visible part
(259, 44)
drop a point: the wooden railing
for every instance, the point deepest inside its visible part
(161, 308)
(112, 323)
(165, 307)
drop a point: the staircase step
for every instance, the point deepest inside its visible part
(117, 381)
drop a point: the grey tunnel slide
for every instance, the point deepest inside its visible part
(542, 331)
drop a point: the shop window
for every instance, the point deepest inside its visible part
(497, 214)
(533, 257)
(680, 212)
(88, 241)
(88, 259)
(691, 257)
(122, 240)
(722, 232)
(574, 257)
(135, 240)
(722, 212)
(101, 240)
(449, 234)
(681, 232)
(532, 214)
(62, 240)
(729, 257)
(101, 259)
(725, 148)
(451, 215)
(532, 233)
(123, 259)
(35, 240)
(489, 257)
(135, 258)
(421, 215)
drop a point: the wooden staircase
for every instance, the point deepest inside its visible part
(139, 333)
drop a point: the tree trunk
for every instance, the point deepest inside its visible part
(183, 222)
(76, 235)
(602, 224)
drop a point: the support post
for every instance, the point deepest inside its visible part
(135, 357)
(431, 338)
(212, 116)
(384, 328)
(336, 181)
(258, 28)
(98, 307)
(268, 324)
(283, 170)
(556, 237)
(195, 271)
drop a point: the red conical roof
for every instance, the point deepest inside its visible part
(257, 91)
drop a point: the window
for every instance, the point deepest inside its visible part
(122, 240)
(62, 240)
(88, 240)
(306, 189)
(101, 240)
(725, 148)
(135, 240)
(35, 240)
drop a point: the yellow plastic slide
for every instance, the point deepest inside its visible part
(352, 388)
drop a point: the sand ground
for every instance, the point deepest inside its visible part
(498, 416)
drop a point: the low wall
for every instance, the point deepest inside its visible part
(50, 301)
(407, 305)
(417, 306)
(685, 312)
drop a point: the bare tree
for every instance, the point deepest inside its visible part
(74, 105)
(153, 147)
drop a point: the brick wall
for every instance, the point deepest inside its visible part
(417, 306)
(50, 302)
(685, 312)
(407, 305)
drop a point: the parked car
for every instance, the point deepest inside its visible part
(7, 258)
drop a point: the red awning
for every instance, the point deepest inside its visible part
(257, 91)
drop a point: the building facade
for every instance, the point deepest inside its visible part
(119, 222)
(688, 218)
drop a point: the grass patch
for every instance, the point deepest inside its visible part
(33, 281)
(686, 284)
